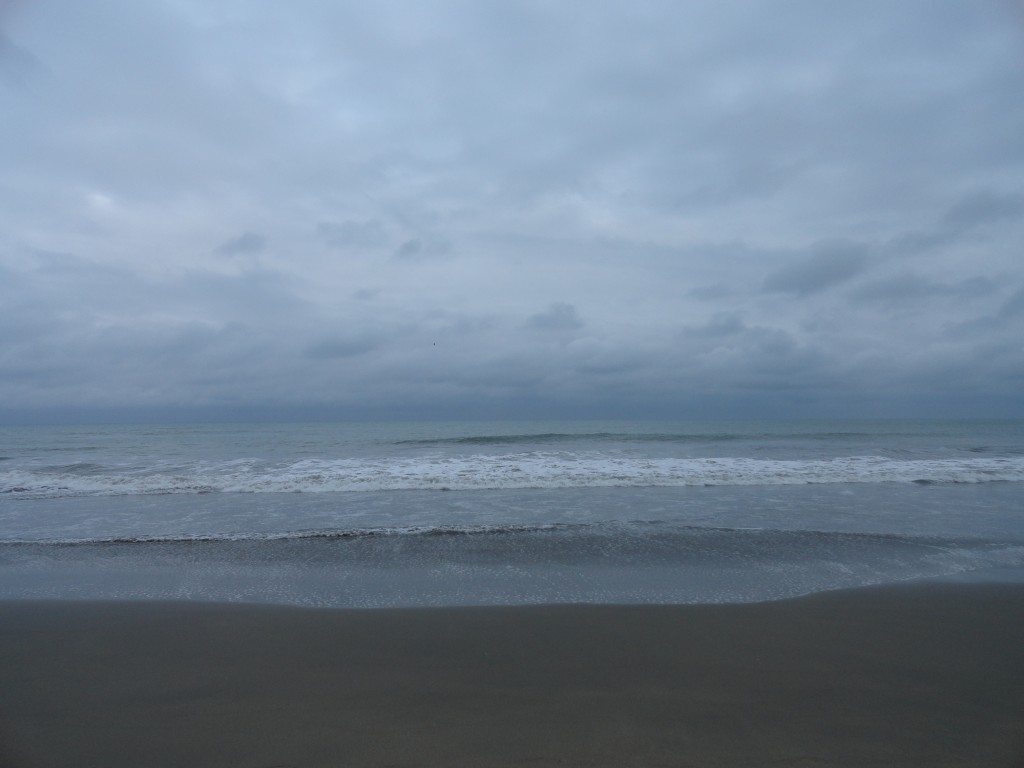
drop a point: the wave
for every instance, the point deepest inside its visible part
(513, 539)
(536, 469)
(544, 438)
(325, 534)
(597, 562)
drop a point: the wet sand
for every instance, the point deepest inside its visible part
(923, 675)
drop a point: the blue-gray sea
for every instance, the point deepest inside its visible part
(482, 513)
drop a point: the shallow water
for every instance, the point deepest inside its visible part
(504, 513)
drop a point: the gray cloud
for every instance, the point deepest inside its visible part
(435, 182)
(353, 234)
(969, 215)
(247, 242)
(718, 326)
(409, 249)
(710, 292)
(829, 264)
(1008, 318)
(422, 248)
(18, 66)
(983, 208)
(906, 288)
(341, 346)
(558, 317)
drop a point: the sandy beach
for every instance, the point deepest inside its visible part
(928, 675)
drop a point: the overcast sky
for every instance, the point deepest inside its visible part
(512, 208)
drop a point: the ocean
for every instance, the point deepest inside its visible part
(505, 513)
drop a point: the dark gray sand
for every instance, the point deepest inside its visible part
(928, 675)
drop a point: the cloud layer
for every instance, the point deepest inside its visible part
(662, 209)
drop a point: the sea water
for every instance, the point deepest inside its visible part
(441, 513)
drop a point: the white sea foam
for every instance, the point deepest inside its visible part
(535, 469)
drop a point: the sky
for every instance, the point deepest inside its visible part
(511, 209)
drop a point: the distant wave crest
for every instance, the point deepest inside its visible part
(547, 438)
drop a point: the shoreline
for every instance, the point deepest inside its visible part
(925, 673)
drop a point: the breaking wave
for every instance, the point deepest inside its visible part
(538, 469)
